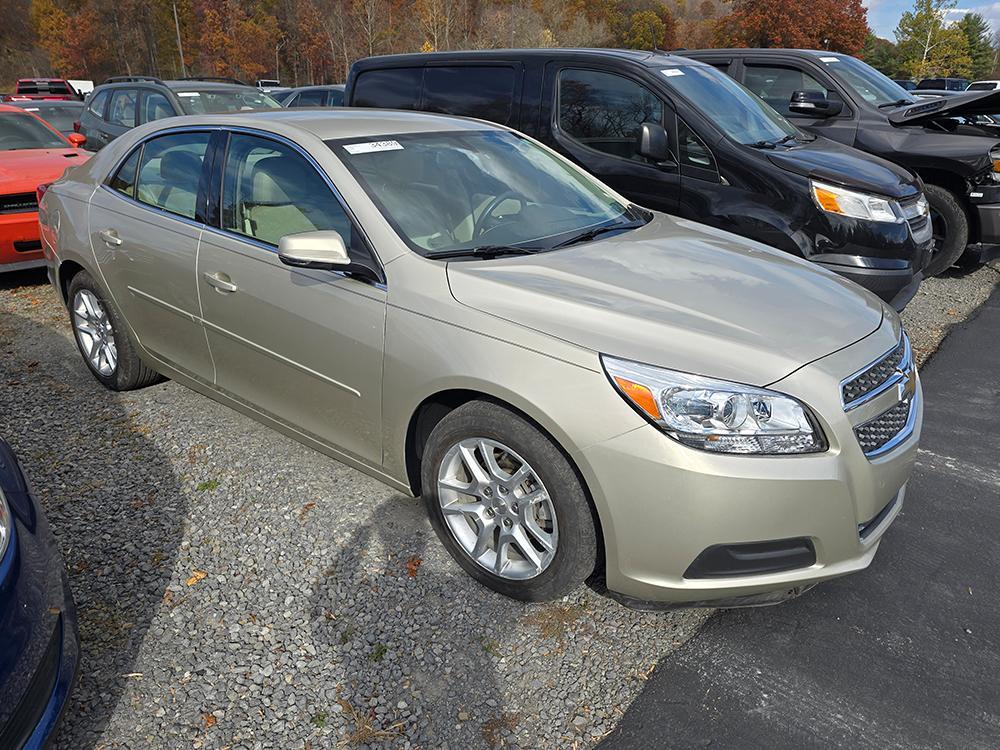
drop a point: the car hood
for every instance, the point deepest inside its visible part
(680, 295)
(971, 103)
(829, 161)
(23, 170)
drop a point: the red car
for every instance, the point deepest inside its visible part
(32, 153)
(42, 88)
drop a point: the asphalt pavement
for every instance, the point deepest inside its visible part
(903, 655)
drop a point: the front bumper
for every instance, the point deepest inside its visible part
(40, 649)
(663, 504)
(20, 246)
(892, 280)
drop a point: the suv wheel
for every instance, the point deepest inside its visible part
(950, 226)
(506, 503)
(102, 339)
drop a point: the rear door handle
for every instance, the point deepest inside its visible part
(221, 282)
(110, 237)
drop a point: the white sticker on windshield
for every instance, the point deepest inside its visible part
(367, 148)
(188, 93)
(829, 59)
(669, 72)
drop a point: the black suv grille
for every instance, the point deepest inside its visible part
(874, 434)
(917, 221)
(874, 376)
(18, 203)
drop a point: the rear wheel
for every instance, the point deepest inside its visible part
(950, 227)
(102, 338)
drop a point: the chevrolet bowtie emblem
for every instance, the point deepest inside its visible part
(908, 385)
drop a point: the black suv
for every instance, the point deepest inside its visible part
(678, 136)
(123, 102)
(941, 139)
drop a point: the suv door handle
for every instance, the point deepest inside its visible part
(221, 282)
(110, 237)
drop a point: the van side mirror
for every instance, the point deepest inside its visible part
(323, 250)
(654, 143)
(813, 104)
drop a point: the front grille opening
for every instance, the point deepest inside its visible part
(874, 376)
(18, 203)
(753, 558)
(876, 433)
(27, 246)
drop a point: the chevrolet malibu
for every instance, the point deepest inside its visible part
(577, 387)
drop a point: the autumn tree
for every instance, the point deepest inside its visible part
(928, 46)
(978, 39)
(837, 25)
(881, 54)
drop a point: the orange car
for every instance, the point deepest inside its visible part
(31, 154)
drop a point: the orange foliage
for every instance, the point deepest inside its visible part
(838, 25)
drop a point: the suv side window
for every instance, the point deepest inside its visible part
(170, 171)
(122, 111)
(124, 179)
(391, 88)
(155, 106)
(269, 191)
(97, 102)
(691, 150)
(313, 98)
(775, 84)
(604, 111)
(480, 91)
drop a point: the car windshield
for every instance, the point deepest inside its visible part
(455, 191)
(19, 131)
(875, 88)
(61, 118)
(220, 101)
(741, 115)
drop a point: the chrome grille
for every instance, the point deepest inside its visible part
(874, 435)
(916, 213)
(877, 377)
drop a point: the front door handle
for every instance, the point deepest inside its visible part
(110, 237)
(221, 282)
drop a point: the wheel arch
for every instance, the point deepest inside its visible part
(64, 276)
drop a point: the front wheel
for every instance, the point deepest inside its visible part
(950, 227)
(507, 504)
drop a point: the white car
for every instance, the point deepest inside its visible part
(984, 86)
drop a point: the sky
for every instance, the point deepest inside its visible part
(883, 15)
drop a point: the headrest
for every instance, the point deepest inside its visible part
(277, 179)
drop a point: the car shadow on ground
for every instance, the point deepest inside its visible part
(412, 637)
(111, 497)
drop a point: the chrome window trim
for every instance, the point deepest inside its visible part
(905, 367)
(267, 135)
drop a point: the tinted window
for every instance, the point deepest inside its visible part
(23, 131)
(170, 170)
(931, 83)
(313, 98)
(692, 150)
(604, 111)
(98, 101)
(470, 91)
(270, 191)
(122, 110)
(775, 84)
(336, 98)
(984, 86)
(155, 106)
(124, 179)
(395, 88)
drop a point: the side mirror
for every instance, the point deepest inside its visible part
(76, 139)
(813, 104)
(654, 143)
(324, 250)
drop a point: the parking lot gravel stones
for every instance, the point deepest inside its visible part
(238, 590)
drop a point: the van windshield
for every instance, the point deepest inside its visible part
(741, 115)
(875, 88)
(451, 192)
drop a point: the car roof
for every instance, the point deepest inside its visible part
(191, 85)
(347, 122)
(642, 57)
(315, 86)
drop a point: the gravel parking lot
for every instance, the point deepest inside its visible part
(238, 590)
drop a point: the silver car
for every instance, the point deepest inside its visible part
(577, 387)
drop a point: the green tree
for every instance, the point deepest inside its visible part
(881, 54)
(978, 37)
(927, 46)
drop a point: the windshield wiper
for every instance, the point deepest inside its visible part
(594, 233)
(897, 103)
(483, 251)
(775, 143)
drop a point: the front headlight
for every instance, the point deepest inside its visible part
(838, 200)
(716, 415)
(5, 524)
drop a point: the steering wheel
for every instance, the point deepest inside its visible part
(480, 227)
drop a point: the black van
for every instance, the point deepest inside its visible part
(681, 137)
(941, 139)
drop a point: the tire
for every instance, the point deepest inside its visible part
(552, 484)
(951, 229)
(91, 310)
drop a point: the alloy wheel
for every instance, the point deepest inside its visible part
(497, 508)
(94, 332)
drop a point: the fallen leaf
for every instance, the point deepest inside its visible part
(411, 566)
(209, 720)
(305, 509)
(196, 575)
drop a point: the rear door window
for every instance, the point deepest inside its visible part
(391, 88)
(155, 106)
(170, 172)
(775, 84)
(122, 111)
(604, 111)
(124, 179)
(96, 106)
(480, 91)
